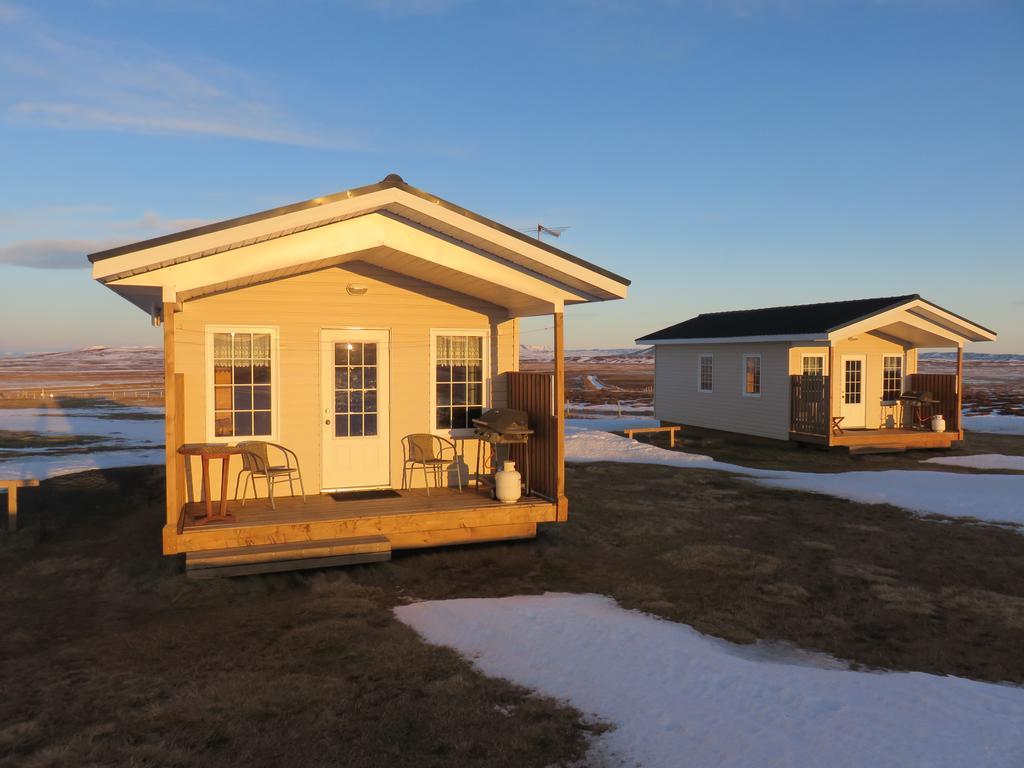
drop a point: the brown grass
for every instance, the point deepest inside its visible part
(109, 656)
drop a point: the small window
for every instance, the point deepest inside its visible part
(459, 379)
(243, 382)
(892, 378)
(752, 375)
(705, 372)
(813, 365)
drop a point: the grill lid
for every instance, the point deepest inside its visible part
(504, 421)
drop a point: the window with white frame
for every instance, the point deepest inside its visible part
(752, 375)
(813, 365)
(892, 378)
(241, 371)
(705, 373)
(459, 364)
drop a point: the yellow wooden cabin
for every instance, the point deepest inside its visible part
(335, 327)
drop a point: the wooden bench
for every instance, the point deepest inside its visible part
(671, 433)
(12, 486)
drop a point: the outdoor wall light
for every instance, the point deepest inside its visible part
(356, 289)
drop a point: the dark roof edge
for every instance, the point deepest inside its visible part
(392, 180)
(898, 302)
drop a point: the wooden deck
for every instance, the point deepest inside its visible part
(907, 438)
(410, 519)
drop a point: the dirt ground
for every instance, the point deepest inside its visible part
(110, 656)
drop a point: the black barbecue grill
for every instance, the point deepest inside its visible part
(922, 405)
(503, 426)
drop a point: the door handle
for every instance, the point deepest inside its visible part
(327, 421)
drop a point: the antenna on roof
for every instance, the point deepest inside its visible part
(541, 229)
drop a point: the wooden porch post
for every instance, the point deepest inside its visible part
(830, 387)
(559, 402)
(960, 391)
(173, 464)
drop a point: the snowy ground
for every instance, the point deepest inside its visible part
(1000, 423)
(981, 461)
(126, 441)
(993, 498)
(677, 697)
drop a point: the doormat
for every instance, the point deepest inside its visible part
(365, 495)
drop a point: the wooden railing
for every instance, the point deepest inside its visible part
(943, 387)
(534, 393)
(809, 405)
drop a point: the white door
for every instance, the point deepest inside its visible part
(852, 407)
(356, 451)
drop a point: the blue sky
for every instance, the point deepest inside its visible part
(720, 153)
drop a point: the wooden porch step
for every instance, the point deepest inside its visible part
(270, 558)
(857, 450)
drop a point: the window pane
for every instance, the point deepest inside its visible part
(222, 398)
(475, 347)
(341, 378)
(444, 418)
(222, 346)
(261, 398)
(355, 402)
(243, 346)
(341, 354)
(355, 425)
(261, 372)
(341, 402)
(243, 424)
(243, 374)
(458, 394)
(243, 399)
(459, 372)
(261, 346)
(222, 424)
(459, 418)
(370, 378)
(370, 400)
(444, 394)
(370, 354)
(474, 372)
(444, 372)
(475, 395)
(222, 373)
(261, 423)
(355, 355)
(355, 378)
(370, 424)
(341, 426)
(474, 413)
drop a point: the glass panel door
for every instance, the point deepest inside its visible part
(355, 389)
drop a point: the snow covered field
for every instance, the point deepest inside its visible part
(999, 423)
(127, 437)
(982, 461)
(993, 498)
(677, 697)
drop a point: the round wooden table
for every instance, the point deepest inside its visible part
(207, 451)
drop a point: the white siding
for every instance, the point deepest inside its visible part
(677, 399)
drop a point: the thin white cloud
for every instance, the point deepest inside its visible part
(70, 252)
(52, 78)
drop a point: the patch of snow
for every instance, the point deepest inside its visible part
(595, 382)
(993, 498)
(981, 461)
(42, 467)
(573, 426)
(998, 423)
(677, 697)
(621, 407)
(84, 421)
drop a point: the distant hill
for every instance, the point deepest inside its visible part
(979, 357)
(91, 359)
(540, 353)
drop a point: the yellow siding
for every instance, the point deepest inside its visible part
(676, 398)
(873, 348)
(299, 307)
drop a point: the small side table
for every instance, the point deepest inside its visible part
(207, 451)
(837, 425)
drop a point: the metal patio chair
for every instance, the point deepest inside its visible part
(256, 464)
(424, 450)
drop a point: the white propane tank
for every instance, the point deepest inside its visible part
(508, 483)
(938, 424)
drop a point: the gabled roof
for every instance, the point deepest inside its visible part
(390, 224)
(807, 321)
